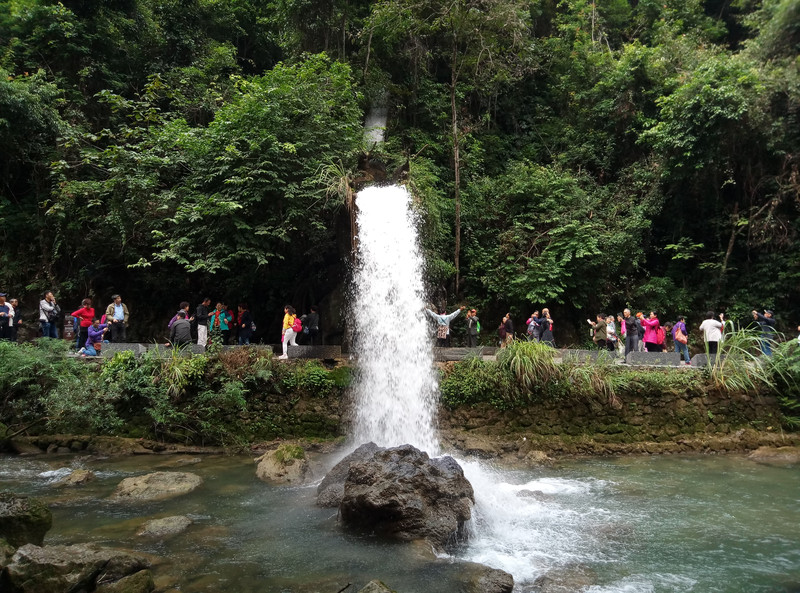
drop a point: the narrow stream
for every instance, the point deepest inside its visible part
(632, 524)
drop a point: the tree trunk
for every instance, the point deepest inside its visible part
(731, 242)
(456, 165)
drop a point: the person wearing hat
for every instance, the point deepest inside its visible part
(6, 318)
(767, 323)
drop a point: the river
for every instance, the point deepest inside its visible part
(628, 524)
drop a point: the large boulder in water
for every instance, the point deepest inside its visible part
(402, 493)
(81, 567)
(331, 489)
(479, 578)
(286, 465)
(23, 520)
(776, 455)
(155, 486)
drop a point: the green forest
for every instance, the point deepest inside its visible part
(579, 155)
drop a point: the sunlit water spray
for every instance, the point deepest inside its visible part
(396, 392)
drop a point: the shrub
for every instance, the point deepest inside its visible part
(474, 381)
(786, 375)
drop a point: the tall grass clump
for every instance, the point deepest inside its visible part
(532, 364)
(739, 365)
(598, 380)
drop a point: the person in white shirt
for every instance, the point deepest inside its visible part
(712, 332)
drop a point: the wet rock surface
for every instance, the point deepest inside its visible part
(286, 465)
(567, 579)
(23, 520)
(375, 587)
(77, 477)
(776, 456)
(165, 526)
(402, 493)
(479, 578)
(80, 567)
(155, 486)
(331, 489)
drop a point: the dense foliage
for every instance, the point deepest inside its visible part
(231, 398)
(575, 154)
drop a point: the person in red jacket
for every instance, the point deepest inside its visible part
(85, 315)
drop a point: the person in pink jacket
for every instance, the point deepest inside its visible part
(651, 326)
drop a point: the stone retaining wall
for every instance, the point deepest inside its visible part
(738, 422)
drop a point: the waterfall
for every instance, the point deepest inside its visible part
(395, 384)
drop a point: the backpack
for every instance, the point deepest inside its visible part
(661, 335)
(297, 326)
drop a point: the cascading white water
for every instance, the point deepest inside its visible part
(395, 388)
(396, 393)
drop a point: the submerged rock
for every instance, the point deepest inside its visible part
(402, 493)
(331, 489)
(776, 456)
(155, 486)
(286, 465)
(81, 567)
(567, 579)
(140, 582)
(376, 587)
(165, 526)
(77, 477)
(23, 520)
(479, 578)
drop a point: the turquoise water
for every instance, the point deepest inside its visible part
(635, 524)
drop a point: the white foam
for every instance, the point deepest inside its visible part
(395, 384)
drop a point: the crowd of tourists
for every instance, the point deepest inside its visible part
(620, 335)
(206, 325)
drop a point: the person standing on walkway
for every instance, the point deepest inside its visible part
(245, 324)
(217, 324)
(311, 326)
(651, 325)
(472, 328)
(712, 333)
(534, 328)
(49, 312)
(16, 320)
(680, 337)
(546, 325)
(201, 316)
(117, 319)
(85, 316)
(288, 332)
(631, 332)
(509, 327)
(443, 324)
(6, 316)
(767, 324)
(600, 333)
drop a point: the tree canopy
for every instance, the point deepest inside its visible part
(581, 155)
